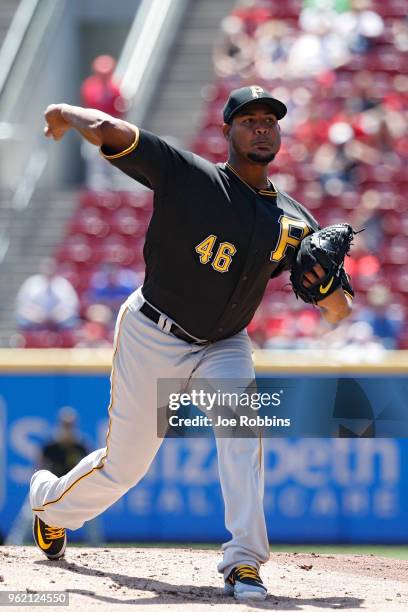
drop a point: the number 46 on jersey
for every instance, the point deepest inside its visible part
(223, 257)
(292, 231)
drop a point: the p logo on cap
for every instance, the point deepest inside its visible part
(238, 98)
(256, 91)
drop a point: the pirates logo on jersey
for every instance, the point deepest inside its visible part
(291, 233)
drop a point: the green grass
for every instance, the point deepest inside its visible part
(395, 552)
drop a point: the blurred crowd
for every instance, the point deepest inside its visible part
(51, 313)
(261, 40)
(340, 67)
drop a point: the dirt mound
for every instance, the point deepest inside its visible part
(159, 579)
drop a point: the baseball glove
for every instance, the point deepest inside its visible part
(327, 247)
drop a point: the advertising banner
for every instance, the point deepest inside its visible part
(319, 489)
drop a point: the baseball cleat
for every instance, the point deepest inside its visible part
(52, 541)
(245, 583)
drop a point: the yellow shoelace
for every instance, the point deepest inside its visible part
(247, 571)
(54, 533)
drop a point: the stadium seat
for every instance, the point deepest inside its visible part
(77, 274)
(105, 201)
(127, 222)
(46, 338)
(77, 249)
(119, 249)
(88, 221)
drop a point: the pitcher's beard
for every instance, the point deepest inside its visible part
(258, 158)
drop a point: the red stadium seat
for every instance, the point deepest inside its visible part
(49, 339)
(391, 223)
(289, 9)
(397, 252)
(391, 8)
(105, 201)
(77, 274)
(138, 200)
(127, 222)
(119, 249)
(88, 221)
(77, 249)
(399, 279)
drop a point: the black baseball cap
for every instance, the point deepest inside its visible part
(239, 98)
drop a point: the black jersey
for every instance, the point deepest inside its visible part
(213, 241)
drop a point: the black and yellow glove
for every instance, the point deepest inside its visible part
(327, 247)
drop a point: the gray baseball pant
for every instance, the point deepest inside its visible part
(143, 353)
